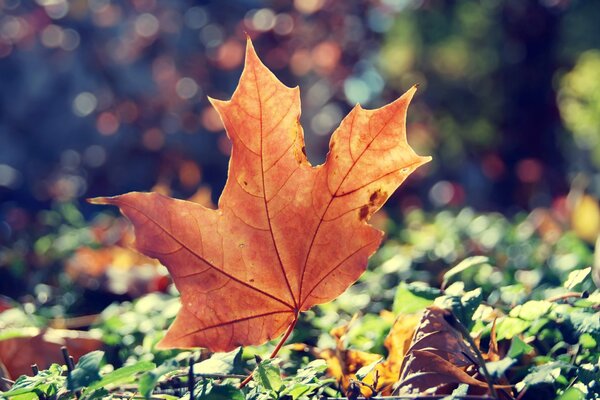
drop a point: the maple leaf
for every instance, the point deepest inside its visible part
(286, 235)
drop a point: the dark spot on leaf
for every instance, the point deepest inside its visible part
(245, 183)
(377, 198)
(374, 195)
(251, 280)
(364, 212)
(304, 150)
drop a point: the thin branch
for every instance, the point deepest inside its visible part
(565, 296)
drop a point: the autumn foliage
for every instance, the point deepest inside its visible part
(286, 235)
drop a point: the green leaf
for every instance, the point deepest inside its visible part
(585, 322)
(509, 327)
(148, 380)
(222, 363)
(364, 371)
(463, 307)
(298, 389)
(86, 372)
(547, 373)
(368, 333)
(498, 368)
(589, 375)
(122, 375)
(576, 277)
(210, 391)
(587, 341)
(572, 394)
(531, 310)
(46, 382)
(268, 375)
(312, 370)
(463, 266)
(99, 393)
(30, 394)
(413, 297)
(518, 348)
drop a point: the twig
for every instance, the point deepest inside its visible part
(191, 380)
(35, 369)
(70, 365)
(566, 296)
(68, 359)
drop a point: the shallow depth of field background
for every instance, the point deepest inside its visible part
(101, 97)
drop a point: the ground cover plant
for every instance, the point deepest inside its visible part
(453, 305)
(533, 289)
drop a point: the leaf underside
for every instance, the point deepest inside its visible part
(286, 235)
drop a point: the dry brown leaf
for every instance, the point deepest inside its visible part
(397, 343)
(343, 363)
(439, 359)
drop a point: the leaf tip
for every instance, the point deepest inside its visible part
(409, 94)
(98, 200)
(250, 50)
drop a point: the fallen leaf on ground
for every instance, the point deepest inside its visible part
(439, 360)
(286, 235)
(44, 348)
(343, 363)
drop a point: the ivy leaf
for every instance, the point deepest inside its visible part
(542, 374)
(576, 277)
(518, 348)
(86, 372)
(268, 375)
(211, 391)
(367, 369)
(149, 379)
(413, 297)
(46, 382)
(221, 363)
(462, 266)
(122, 375)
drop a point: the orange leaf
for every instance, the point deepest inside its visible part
(286, 235)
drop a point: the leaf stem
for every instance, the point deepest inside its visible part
(455, 323)
(285, 337)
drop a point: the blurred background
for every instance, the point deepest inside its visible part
(101, 97)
